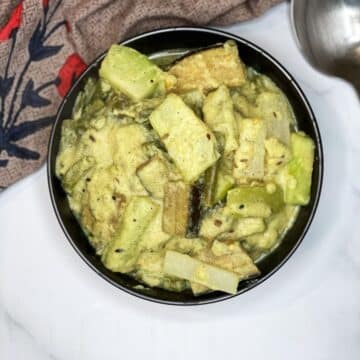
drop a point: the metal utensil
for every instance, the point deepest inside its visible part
(328, 33)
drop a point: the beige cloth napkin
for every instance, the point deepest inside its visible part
(46, 44)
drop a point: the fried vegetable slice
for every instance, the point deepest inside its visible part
(186, 267)
(122, 252)
(189, 142)
(176, 208)
(250, 155)
(208, 69)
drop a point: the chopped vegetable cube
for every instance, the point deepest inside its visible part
(189, 142)
(130, 72)
(121, 254)
(296, 177)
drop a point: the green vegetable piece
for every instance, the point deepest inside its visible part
(219, 115)
(186, 267)
(224, 180)
(255, 201)
(122, 252)
(296, 178)
(218, 180)
(130, 72)
(189, 142)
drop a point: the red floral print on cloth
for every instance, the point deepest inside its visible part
(13, 23)
(72, 68)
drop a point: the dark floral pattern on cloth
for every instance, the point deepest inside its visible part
(11, 132)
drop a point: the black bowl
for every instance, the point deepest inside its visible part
(191, 38)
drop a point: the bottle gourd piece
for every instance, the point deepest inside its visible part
(122, 253)
(131, 72)
(296, 176)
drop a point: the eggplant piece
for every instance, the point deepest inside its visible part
(176, 208)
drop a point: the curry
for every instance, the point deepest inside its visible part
(184, 177)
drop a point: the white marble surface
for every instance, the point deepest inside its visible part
(52, 306)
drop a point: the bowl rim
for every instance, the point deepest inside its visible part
(318, 142)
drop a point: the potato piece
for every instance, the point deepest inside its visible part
(121, 254)
(154, 175)
(208, 69)
(250, 155)
(186, 267)
(219, 115)
(189, 142)
(176, 208)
